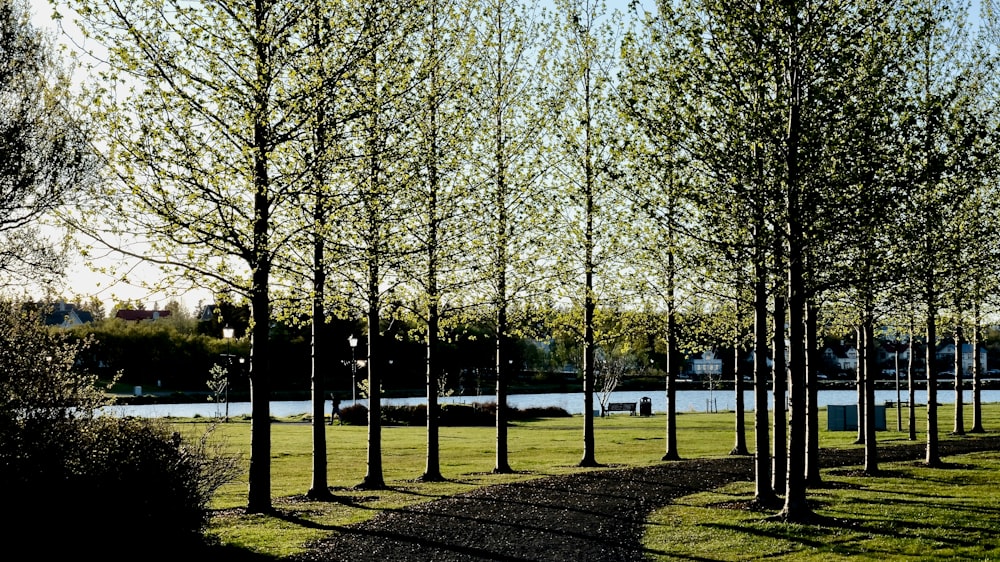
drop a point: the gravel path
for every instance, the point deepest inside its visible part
(585, 517)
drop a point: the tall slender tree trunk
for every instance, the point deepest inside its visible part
(813, 476)
(259, 493)
(859, 387)
(319, 487)
(671, 453)
(740, 446)
(932, 456)
(432, 471)
(911, 387)
(977, 378)
(502, 465)
(796, 507)
(374, 479)
(899, 404)
(763, 491)
(780, 390)
(870, 360)
(959, 428)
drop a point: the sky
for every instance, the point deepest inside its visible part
(80, 280)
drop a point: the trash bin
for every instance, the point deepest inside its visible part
(645, 406)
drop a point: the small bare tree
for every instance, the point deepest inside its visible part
(609, 368)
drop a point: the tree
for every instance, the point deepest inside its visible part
(438, 190)
(371, 221)
(932, 156)
(512, 114)
(197, 121)
(657, 181)
(336, 53)
(45, 158)
(611, 367)
(587, 131)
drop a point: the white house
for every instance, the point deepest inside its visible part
(947, 352)
(706, 365)
(843, 357)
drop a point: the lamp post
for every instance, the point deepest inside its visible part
(227, 334)
(353, 342)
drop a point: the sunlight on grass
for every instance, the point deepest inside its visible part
(554, 446)
(910, 512)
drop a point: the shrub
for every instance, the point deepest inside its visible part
(475, 414)
(535, 413)
(105, 485)
(355, 414)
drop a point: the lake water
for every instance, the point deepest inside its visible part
(687, 401)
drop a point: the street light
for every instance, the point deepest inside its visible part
(353, 342)
(227, 334)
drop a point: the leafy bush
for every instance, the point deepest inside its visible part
(105, 484)
(535, 413)
(128, 477)
(474, 414)
(355, 414)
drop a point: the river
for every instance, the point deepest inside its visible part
(687, 401)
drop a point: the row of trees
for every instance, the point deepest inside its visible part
(779, 168)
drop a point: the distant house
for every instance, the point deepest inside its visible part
(843, 357)
(141, 315)
(887, 352)
(947, 352)
(705, 364)
(66, 315)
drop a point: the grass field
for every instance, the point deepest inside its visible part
(910, 512)
(554, 446)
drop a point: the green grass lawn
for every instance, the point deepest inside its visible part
(554, 446)
(911, 512)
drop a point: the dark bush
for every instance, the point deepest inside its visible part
(404, 415)
(474, 414)
(122, 480)
(535, 413)
(355, 414)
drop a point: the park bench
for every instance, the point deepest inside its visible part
(622, 407)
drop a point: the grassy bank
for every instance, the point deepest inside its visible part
(537, 448)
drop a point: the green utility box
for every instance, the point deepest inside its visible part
(845, 418)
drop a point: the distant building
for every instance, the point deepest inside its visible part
(947, 352)
(65, 315)
(141, 315)
(705, 364)
(843, 357)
